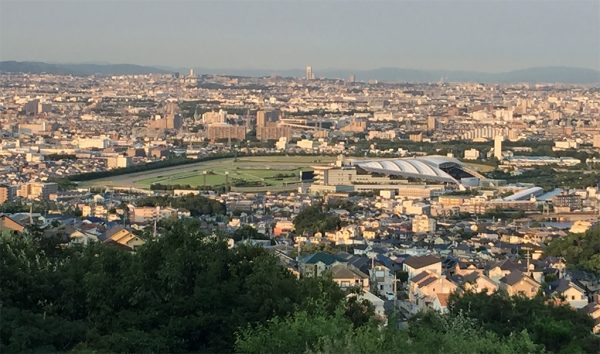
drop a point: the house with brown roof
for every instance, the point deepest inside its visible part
(593, 310)
(123, 237)
(518, 283)
(418, 264)
(566, 292)
(477, 283)
(463, 268)
(7, 224)
(347, 276)
(427, 290)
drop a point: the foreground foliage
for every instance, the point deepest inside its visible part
(184, 292)
(323, 333)
(557, 328)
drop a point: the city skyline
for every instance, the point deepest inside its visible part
(462, 35)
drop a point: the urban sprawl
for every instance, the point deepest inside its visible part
(410, 192)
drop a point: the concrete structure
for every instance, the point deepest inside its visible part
(498, 139)
(93, 143)
(309, 73)
(216, 132)
(423, 224)
(471, 154)
(214, 117)
(596, 141)
(118, 162)
(37, 190)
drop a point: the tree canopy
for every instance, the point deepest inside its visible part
(313, 219)
(580, 250)
(557, 327)
(184, 292)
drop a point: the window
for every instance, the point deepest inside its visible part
(381, 287)
(573, 297)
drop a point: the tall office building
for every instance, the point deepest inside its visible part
(309, 73)
(498, 146)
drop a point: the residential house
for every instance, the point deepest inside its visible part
(347, 276)
(518, 283)
(462, 268)
(477, 282)
(315, 264)
(123, 237)
(382, 280)
(8, 224)
(593, 310)
(425, 289)
(565, 291)
(378, 304)
(418, 264)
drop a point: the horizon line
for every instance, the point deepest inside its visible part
(350, 70)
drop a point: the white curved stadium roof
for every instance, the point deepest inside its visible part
(425, 168)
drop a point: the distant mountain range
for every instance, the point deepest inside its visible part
(34, 67)
(534, 75)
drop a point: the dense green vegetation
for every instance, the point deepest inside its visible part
(313, 219)
(185, 292)
(558, 328)
(579, 250)
(549, 178)
(325, 333)
(247, 232)
(196, 204)
(188, 292)
(476, 323)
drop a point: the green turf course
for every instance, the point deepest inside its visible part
(264, 169)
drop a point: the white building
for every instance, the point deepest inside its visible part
(498, 146)
(472, 154)
(423, 224)
(93, 143)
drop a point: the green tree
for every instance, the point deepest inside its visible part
(556, 327)
(313, 219)
(580, 250)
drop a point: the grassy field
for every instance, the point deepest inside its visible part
(267, 170)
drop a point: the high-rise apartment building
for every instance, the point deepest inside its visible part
(273, 132)
(309, 73)
(37, 190)
(498, 146)
(7, 193)
(216, 132)
(214, 117)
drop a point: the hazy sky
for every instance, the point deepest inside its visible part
(463, 35)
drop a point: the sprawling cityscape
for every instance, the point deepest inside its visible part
(163, 210)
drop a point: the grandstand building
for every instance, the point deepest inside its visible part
(418, 177)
